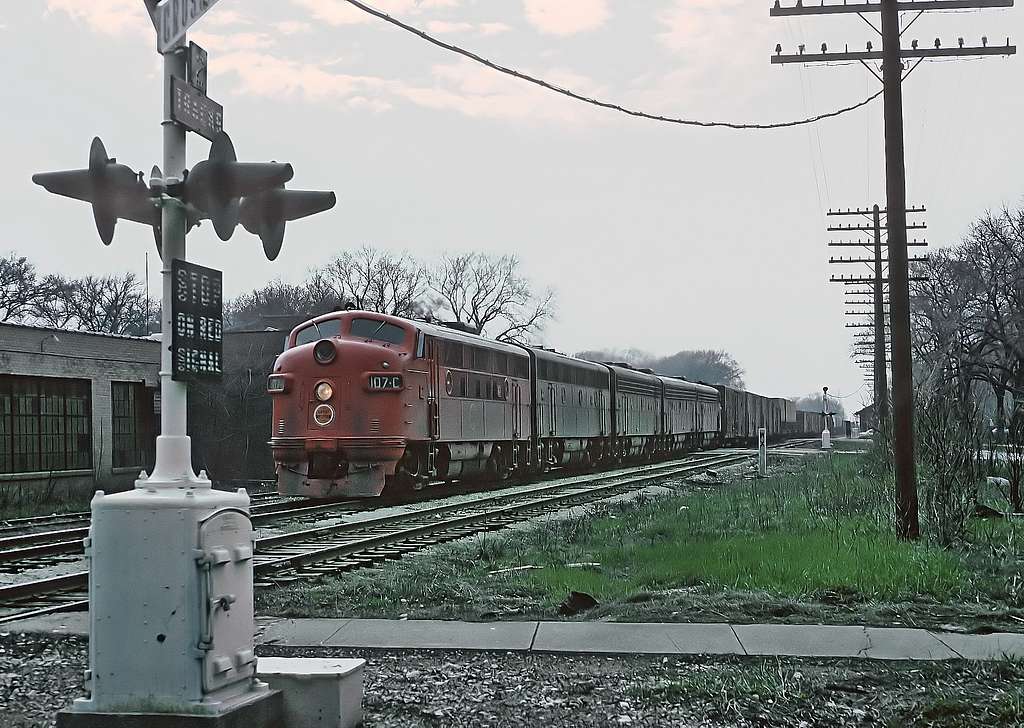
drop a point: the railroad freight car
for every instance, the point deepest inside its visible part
(743, 413)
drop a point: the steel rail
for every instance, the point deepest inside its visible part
(423, 525)
(69, 590)
(69, 541)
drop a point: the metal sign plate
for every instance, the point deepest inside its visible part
(173, 18)
(197, 323)
(194, 111)
(198, 63)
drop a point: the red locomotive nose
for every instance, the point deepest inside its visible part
(340, 405)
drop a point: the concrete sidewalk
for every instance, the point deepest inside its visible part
(819, 641)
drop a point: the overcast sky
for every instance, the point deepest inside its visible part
(656, 236)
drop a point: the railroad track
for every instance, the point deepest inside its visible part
(17, 526)
(312, 553)
(49, 547)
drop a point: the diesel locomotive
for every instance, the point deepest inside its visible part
(365, 401)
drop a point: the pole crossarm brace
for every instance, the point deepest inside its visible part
(854, 280)
(871, 228)
(869, 211)
(867, 243)
(869, 7)
(870, 261)
(847, 55)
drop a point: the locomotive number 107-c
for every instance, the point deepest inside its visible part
(385, 382)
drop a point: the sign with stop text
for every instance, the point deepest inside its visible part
(197, 323)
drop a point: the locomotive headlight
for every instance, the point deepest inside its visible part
(324, 391)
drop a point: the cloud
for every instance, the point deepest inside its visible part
(229, 42)
(444, 26)
(112, 17)
(440, 27)
(703, 23)
(566, 17)
(493, 28)
(478, 92)
(292, 27)
(339, 12)
(225, 16)
(463, 87)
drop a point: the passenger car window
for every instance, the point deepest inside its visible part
(317, 331)
(377, 331)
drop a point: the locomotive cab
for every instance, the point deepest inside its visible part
(343, 393)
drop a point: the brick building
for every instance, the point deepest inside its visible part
(77, 410)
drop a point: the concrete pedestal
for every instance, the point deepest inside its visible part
(318, 692)
(264, 710)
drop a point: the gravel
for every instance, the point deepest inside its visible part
(40, 674)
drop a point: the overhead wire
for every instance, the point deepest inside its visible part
(598, 102)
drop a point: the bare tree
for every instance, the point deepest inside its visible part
(109, 304)
(969, 313)
(488, 291)
(19, 288)
(375, 280)
(275, 301)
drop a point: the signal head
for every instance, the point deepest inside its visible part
(114, 191)
(215, 186)
(265, 213)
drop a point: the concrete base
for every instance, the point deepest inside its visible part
(265, 712)
(318, 692)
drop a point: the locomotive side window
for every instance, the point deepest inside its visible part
(452, 354)
(376, 331)
(317, 331)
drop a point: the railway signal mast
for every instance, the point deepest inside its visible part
(892, 56)
(170, 563)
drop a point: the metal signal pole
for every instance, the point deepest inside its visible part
(892, 56)
(173, 446)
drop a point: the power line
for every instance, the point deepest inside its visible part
(597, 102)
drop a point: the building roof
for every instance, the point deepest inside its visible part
(8, 324)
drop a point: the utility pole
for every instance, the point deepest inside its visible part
(892, 56)
(877, 290)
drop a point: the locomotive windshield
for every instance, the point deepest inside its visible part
(317, 331)
(377, 330)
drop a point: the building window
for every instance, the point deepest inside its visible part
(45, 424)
(131, 407)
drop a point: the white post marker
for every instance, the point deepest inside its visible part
(762, 452)
(826, 439)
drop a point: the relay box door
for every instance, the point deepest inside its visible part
(226, 598)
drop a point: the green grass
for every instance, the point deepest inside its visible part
(812, 542)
